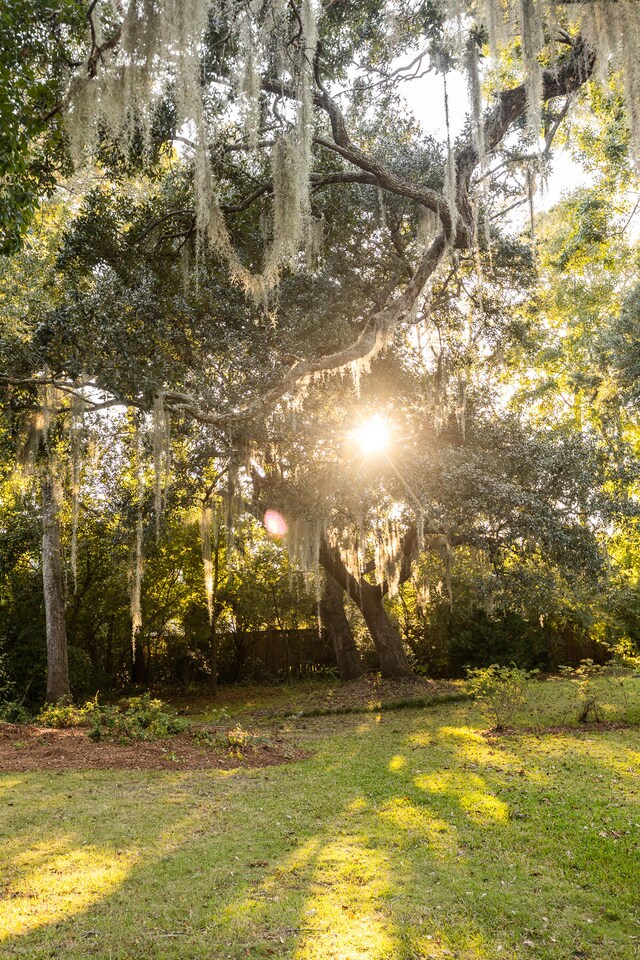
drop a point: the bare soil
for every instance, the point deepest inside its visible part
(370, 690)
(363, 694)
(25, 747)
(584, 729)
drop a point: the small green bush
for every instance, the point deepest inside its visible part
(138, 718)
(254, 671)
(589, 706)
(217, 715)
(62, 715)
(236, 740)
(13, 711)
(500, 691)
(622, 675)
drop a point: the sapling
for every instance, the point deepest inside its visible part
(500, 692)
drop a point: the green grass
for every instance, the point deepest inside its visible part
(406, 835)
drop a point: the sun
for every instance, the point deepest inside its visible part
(372, 435)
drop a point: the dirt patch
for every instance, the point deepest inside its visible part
(365, 694)
(268, 703)
(560, 730)
(370, 690)
(29, 747)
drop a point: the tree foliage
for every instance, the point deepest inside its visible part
(260, 247)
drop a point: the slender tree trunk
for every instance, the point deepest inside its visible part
(139, 668)
(108, 654)
(334, 621)
(213, 655)
(213, 620)
(58, 687)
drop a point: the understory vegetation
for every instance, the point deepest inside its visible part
(138, 718)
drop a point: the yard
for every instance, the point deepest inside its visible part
(403, 833)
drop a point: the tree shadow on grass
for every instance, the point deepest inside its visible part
(400, 839)
(547, 859)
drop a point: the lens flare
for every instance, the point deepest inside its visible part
(274, 523)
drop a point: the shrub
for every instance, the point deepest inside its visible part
(138, 718)
(622, 674)
(13, 711)
(217, 715)
(582, 677)
(254, 671)
(236, 740)
(82, 674)
(61, 715)
(500, 691)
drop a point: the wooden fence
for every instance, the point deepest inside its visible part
(293, 653)
(576, 646)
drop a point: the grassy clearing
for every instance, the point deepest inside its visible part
(407, 835)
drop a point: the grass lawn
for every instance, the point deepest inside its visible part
(406, 834)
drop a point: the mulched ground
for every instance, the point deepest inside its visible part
(29, 747)
(25, 747)
(365, 693)
(373, 689)
(583, 729)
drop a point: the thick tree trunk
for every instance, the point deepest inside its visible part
(334, 621)
(54, 601)
(368, 598)
(393, 660)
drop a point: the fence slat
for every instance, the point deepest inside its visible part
(293, 652)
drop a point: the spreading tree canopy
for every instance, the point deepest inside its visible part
(264, 106)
